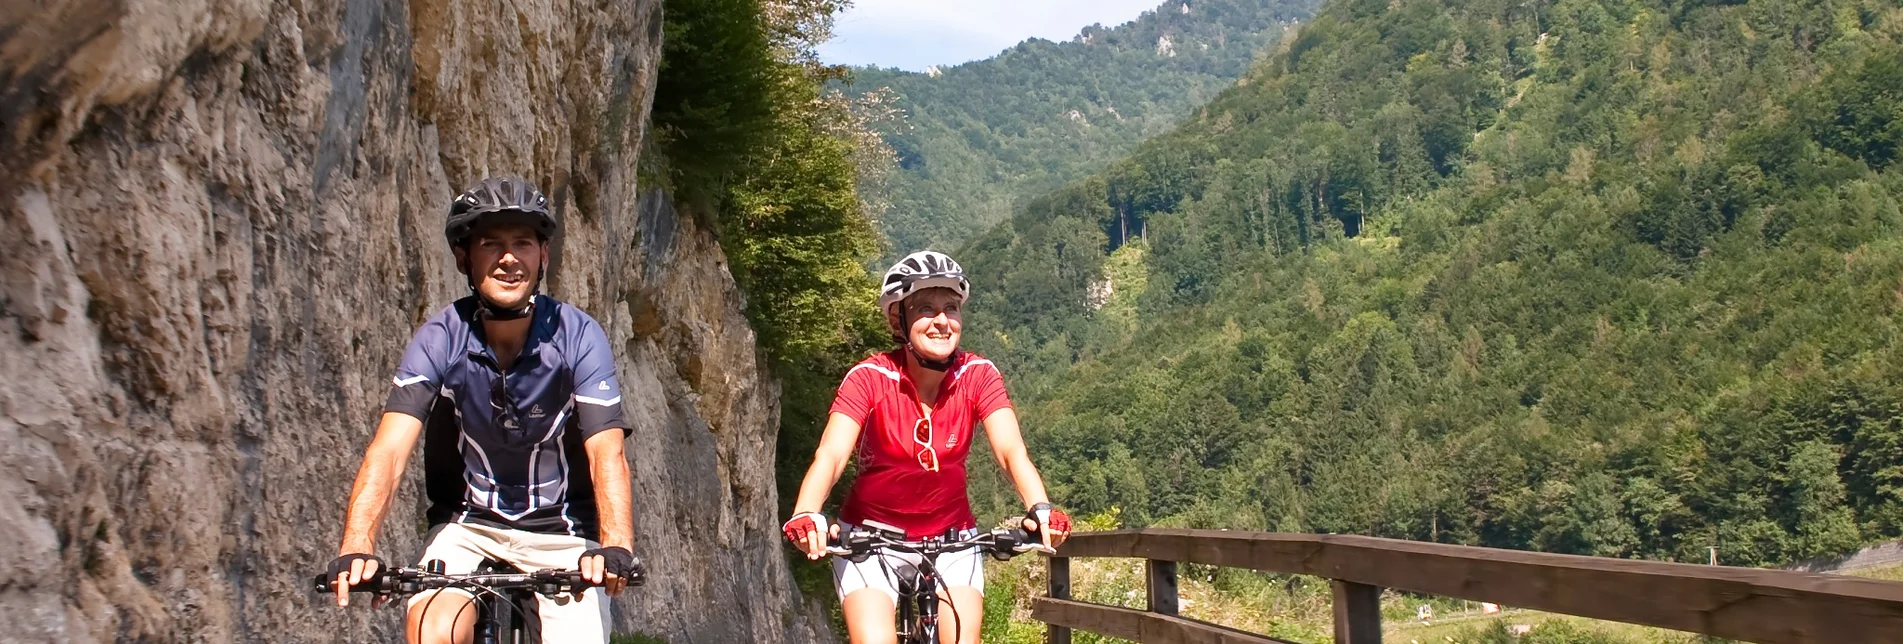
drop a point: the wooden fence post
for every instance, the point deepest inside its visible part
(1162, 587)
(1059, 589)
(1357, 613)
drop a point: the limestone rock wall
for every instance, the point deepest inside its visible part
(221, 222)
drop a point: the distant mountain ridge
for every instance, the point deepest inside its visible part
(1605, 277)
(981, 134)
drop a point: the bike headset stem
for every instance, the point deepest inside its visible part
(478, 588)
(928, 568)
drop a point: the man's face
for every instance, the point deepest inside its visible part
(505, 260)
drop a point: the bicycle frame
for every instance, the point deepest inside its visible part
(497, 612)
(918, 607)
(504, 596)
(919, 625)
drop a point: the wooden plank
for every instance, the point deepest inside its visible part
(1769, 606)
(1059, 589)
(1357, 613)
(1138, 626)
(1160, 585)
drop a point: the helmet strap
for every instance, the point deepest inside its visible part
(940, 366)
(499, 314)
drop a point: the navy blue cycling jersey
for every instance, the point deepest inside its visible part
(505, 448)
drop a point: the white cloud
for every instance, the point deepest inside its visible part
(913, 34)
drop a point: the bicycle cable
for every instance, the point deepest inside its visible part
(936, 581)
(462, 583)
(958, 621)
(423, 615)
(520, 616)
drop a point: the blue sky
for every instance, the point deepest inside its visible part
(914, 34)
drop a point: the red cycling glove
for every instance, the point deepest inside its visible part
(1060, 521)
(803, 524)
(1046, 515)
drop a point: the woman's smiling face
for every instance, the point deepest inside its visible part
(936, 316)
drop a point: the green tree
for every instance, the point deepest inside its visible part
(1591, 276)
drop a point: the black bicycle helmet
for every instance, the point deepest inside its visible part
(499, 200)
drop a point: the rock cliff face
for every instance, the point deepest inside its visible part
(221, 222)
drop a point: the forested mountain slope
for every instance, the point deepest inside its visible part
(1614, 277)
(981, 134)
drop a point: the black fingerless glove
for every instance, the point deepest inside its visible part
(619, 562)
(341, 565)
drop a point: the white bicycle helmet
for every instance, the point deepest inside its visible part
(919, 271)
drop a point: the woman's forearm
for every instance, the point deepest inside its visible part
(1007, 444)
(818, 483)
(1025, 478)
(829, 461)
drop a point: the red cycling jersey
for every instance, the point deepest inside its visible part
(894, 487)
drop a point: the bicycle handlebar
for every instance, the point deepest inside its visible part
(1001, 544)
(412, 580)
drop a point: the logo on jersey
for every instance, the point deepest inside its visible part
(536, 412)
(603, 386)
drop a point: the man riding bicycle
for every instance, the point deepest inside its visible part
(516, 397)
(909, 415)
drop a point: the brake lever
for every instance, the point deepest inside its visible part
(836, 544)
(855, 546)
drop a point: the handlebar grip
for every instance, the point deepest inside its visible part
(838, 544)
(572, 578)
(638, 573)
(326, 584)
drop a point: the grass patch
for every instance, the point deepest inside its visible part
(1883, 573)
(636, 638)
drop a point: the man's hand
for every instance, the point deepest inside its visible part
(809, 531)
(355, 569)
(1049, 524)
(612, 568)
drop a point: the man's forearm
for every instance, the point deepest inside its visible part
(614, 499)
(383, 465)
(369, 499)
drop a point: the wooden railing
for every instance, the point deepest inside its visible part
(1749, 604)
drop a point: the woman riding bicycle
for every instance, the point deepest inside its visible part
(909, 414)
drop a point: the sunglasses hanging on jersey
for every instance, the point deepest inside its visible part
(500, 399)
(922, 436)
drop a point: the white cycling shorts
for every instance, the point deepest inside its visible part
(881, 571)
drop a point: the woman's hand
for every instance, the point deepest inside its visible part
(1048, 523)
(809, 531)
